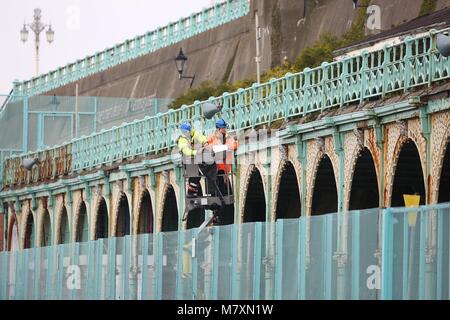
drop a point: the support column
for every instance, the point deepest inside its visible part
(69, 212)
(339, 141)
(181, 187)
(32, 208)
(156, 259)
(342, 228)
(379, 133)
(51, 206)
(107, 196)
(268, 241)
(237, 191)
(302, 158)
(154, 190)
(132, 244)
(268, 170)
(387, 255)
(303, 261)
(380, 140)
(425, 123)
(130, 188)
(87, 197)
(431, 241)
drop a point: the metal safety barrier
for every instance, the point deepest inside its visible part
(394, 253)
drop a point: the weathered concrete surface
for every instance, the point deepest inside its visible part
(300, 24)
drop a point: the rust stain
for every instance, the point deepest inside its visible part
(52, 164)
(373, 148)
(430, 184)
(385, 155)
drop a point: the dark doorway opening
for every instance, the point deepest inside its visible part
(288, 203)
(408, 178)
(46, 235)
(123, 217)
(145, 220)
(364, 193)
(325, 195)
(102, 226)
(255, 200)
(29, 234)
(170, 212)
(82, 225)
(64, 229)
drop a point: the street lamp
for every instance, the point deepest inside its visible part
(24, 33)
(180, 62)
(258, 56)
(37, 27)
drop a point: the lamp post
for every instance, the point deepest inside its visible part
(37, 27)
(258, 56)
(180, 62)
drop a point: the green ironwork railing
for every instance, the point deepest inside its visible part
(46, 123)
(400, 67)
(173, 33)
(395, 253)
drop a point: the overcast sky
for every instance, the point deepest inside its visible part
(82, 27)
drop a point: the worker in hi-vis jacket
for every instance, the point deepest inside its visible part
(192, 144)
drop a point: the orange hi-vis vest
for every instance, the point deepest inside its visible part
(218, 138)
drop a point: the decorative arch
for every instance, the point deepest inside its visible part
(122, 219)
(364, 183)
(63, 226)
(101, 219)
(396, 136)
(406, 150)
(443, 167)
(444, 176)
(286, 196)
(28, 230)
(324, 197)
(254, 201)
(13, 234)
(145, 219)
(45, 228)
(440, 137)
(170, 213)
(354, 147)
(81, 223)
(317, 153)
